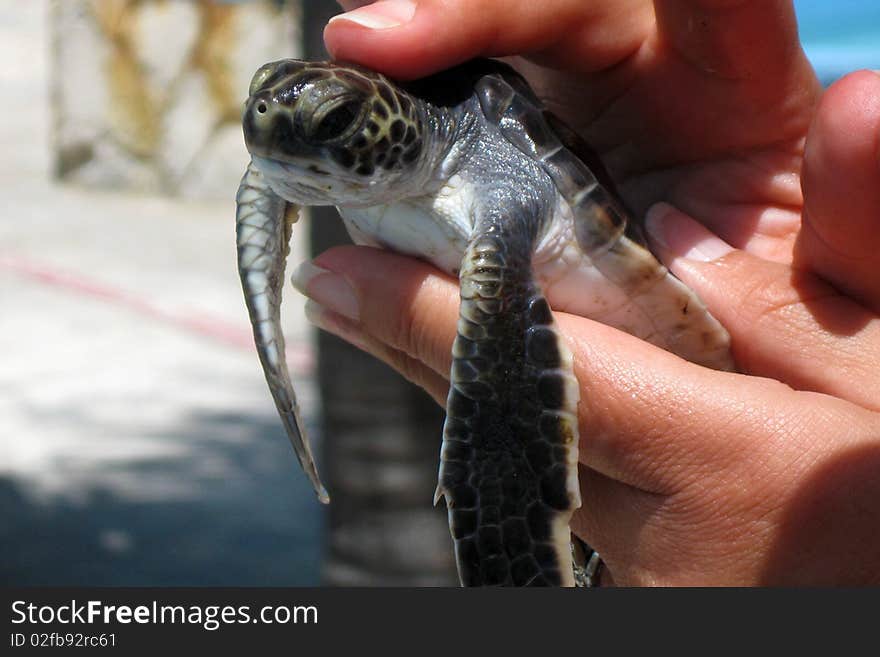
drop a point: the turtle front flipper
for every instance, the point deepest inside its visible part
(262, 224)
(509, 458)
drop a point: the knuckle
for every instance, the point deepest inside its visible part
(417, 373)
(411, 369)
(418, 327)
(765, 297)
(410, 333)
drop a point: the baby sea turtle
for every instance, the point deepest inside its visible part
(467, 170)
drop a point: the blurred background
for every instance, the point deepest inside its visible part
(138, 442)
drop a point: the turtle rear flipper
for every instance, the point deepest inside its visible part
(509, 458)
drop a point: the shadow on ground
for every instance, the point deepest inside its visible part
(228, 512)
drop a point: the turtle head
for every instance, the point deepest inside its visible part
(332, 134)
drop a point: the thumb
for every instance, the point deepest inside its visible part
(784, 323)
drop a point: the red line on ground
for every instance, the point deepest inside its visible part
(202, 324)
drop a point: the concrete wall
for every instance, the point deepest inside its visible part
(146, 94)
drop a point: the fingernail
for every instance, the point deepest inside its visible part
(679, 236)
(380, 15)
(327, 288)
(333, 323)
(314, 313)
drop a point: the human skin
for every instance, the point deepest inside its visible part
(762, 193)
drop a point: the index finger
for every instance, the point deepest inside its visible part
(408, 39)
(643, 412)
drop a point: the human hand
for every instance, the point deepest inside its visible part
(689, 476)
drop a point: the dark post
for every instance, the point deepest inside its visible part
(381, 442)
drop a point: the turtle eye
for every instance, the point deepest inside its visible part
(335, 122)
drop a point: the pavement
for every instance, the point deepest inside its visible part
(139, 443)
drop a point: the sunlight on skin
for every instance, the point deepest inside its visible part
(710, 107)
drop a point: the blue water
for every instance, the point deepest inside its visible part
(840, 35)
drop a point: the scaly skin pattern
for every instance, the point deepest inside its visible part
(263, 224)
(465, 169)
